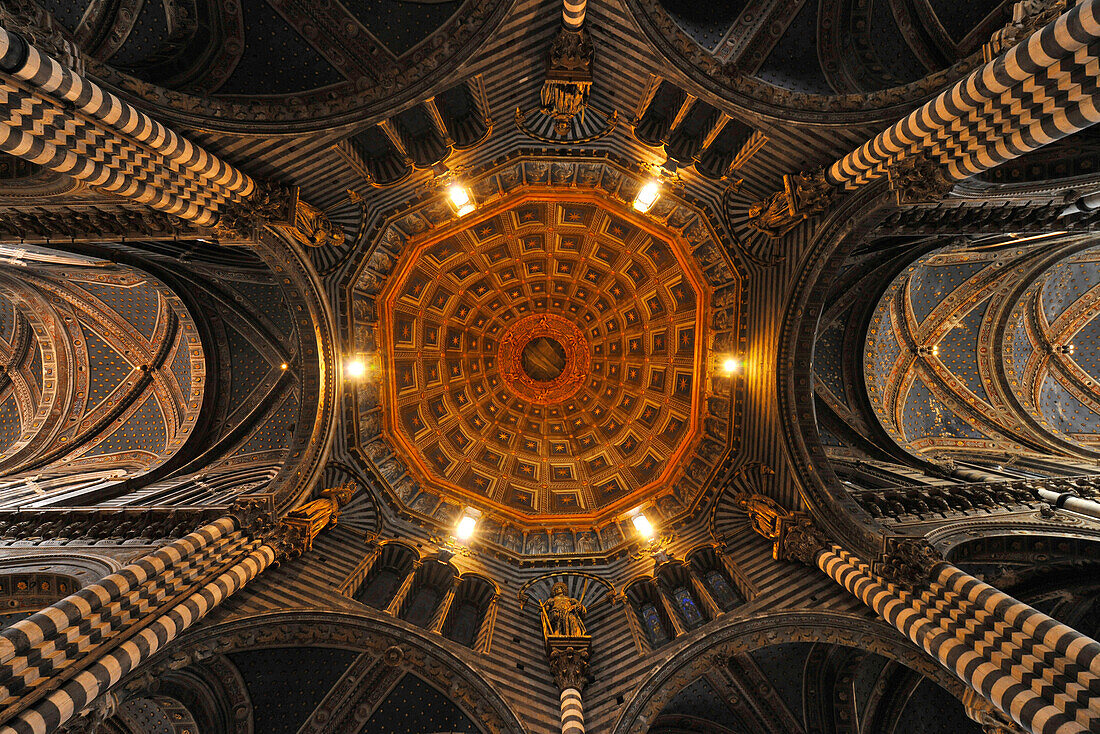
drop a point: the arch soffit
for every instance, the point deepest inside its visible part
(747, 635)
(407, 649)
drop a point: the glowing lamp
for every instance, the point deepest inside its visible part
(356, 368)
(642, 525)
(731, 366)
(647, 196)
(460, 199)
(465, 528)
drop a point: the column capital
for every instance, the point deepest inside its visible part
(568, 659)
(909, 562)
(919, 179)
(272, 204)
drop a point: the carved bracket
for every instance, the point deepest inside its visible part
(804, 195)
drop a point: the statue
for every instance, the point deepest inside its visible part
(562, 616)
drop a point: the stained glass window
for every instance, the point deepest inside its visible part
(654, 627)
(688, 610)
(724, 594)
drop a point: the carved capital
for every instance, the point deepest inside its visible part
(37, 27)
(1028, 16)
(278, 206)
(269, 204)
(801, 540)
(253, 512)
(909, 562)
(568, 661)
(991, 719)
(288, 539)
(919, 179)
(804, 195)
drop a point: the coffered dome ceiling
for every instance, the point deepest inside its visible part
(546, 358)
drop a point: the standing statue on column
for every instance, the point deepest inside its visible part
(563, 616)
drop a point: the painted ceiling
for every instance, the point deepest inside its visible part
(103, 371)
(546, 360)
(958, 357)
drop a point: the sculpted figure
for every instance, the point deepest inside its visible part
(564, 614)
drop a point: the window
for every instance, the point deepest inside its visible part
(654, 627)
(685, 602)
(724, 595)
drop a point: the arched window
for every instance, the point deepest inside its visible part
(706, 565)
(430, 583)
(394, 563)
(470, 611)
(646, 605)
(675, 579)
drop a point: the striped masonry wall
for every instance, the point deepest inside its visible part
(1039, 91)
(1040, 673)
(572, 712)
(572, 14)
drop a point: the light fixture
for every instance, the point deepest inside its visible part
(466, 525)
(647, 196)
(642, 525)
(460, 198)
(731, 365)
(284, 366)
(355, 367)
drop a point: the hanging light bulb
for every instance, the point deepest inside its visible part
(647, 196)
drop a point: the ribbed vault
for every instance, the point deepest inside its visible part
(103, 372)
(989, 351)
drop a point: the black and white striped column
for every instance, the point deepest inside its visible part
(572, 14)
(52, 116)
(572, 712)
(1042, 674)
(1041, 90)
(65, 703)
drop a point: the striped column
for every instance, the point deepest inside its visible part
(46, 75)
(1042, 674)
(572, 712)
(52, 116)
(66, 702)
(572, 14)
(1041, 90)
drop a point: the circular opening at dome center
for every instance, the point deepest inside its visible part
(543, 359)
